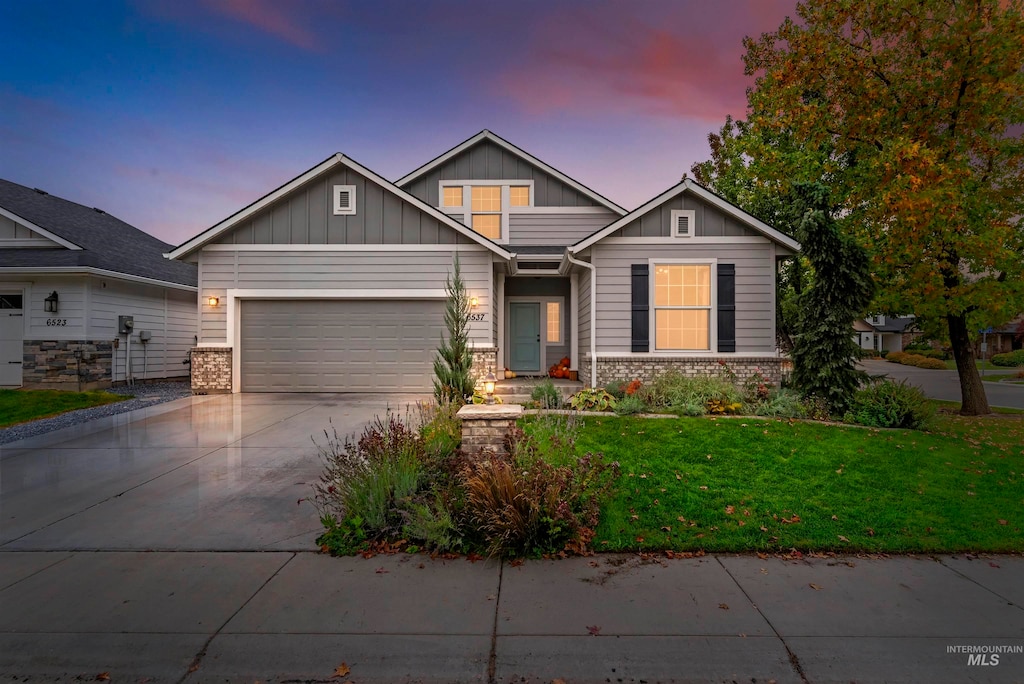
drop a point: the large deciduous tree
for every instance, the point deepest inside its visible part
(917, 107)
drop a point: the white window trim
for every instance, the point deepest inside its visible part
(466, 210)
(340, 210)
(690, 214)
(712, 317)
(544, 344)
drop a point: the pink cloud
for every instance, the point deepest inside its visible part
(269, 16)
(687, 63)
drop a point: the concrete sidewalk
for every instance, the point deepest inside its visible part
(273, 616)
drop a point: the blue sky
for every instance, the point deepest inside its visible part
(173, 114)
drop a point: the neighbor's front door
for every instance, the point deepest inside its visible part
(524, 325)
(12, 328)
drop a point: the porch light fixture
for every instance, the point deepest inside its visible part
(489, 381)
(474, 302)
(213, 301)
(50, 303)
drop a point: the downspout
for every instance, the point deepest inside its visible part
(593, 313)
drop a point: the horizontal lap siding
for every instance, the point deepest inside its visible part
(487, 161)
(283, 271)
(555, 229)
(584, 313)
(755, 281)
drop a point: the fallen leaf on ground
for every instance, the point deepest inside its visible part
(815, 587)
(103, 677)
(474, 557)
(729, 510)
(842, 538)
(381, 571)
(594, 630)
(993, 564)
(723, 606)
(341, 671)
(1002, 522)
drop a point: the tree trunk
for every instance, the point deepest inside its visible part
(972, 391)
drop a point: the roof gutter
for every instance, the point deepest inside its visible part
(593, 313)
(91, 270)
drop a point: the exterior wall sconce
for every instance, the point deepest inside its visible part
(50, 303)
(489, 381)
(213, 301)
(474, 302)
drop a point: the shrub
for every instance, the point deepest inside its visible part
(934, 364)
(630, 405)
(816, 408)
(633, 387)
(756, 388)
(453, 362)
(546, 395)
(912, 359)
(781, 403)
(524, 506)
(884, 353)
(690, 396)
(433, 524)
(590, 399)
(440, 430)
(616, 388)
(896, 357)
(918, 345)
(1009, 359)
(890, 404)
(367, 482)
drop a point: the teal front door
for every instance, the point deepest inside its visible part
(524, 331)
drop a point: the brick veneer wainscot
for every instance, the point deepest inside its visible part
(67, 365)
(611, 369)
(211, 370)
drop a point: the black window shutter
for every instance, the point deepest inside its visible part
(641, 320)
(726, 307)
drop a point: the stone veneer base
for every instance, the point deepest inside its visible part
(484, 359)
(645, 369)
(211, 370)
(75, 365)
(485, 427)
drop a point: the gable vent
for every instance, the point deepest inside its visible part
(682, 222)
(344, 200)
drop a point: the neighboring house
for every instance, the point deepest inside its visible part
(1005, 338)
(67, 274)
(884, 333)
(335, 281)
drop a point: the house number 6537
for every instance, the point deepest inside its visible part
(50, 322)
(476, 316)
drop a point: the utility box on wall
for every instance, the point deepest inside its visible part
(125, 324)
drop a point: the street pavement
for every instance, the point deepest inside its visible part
(945, 384)
(171, 545)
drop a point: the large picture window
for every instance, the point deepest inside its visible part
(682, 307)
(484, 206)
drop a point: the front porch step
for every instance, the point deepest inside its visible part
(518, 390)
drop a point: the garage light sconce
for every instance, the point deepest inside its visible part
(474, 302)
(489, 381)
(50, 303)
(213, 301)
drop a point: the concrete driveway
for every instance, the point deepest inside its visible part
(945, 384)
(212, 473)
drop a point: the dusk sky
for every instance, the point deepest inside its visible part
(173, 114)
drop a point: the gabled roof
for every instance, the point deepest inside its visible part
(701, 192)
(522, 154)
(892, 324)
(92, 239)
(337, 159)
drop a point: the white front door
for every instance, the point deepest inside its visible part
(12, 332)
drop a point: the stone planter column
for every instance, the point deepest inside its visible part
(485, 426)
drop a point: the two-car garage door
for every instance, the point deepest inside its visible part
(339, 345)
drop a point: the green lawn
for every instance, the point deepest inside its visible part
(21, 406)
(1003, 377)
(753, 484)
(982, 364)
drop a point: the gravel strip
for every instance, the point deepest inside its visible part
(145, 395)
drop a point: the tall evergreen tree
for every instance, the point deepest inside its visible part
(454, 361)
(824, 353)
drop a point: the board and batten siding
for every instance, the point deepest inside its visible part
(708, 221)
(487, 161)
(306, 217)
(537, 228)
(13, 234)
(755, 282)
(280, 271)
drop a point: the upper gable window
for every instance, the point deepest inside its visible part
(485, 206)
(683, 221)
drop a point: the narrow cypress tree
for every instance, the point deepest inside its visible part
(454, 361)
(824, 353)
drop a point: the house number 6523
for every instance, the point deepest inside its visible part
(50, 322)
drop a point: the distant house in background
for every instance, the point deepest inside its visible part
(884, 333)
(1005, 338)
(68, 274)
